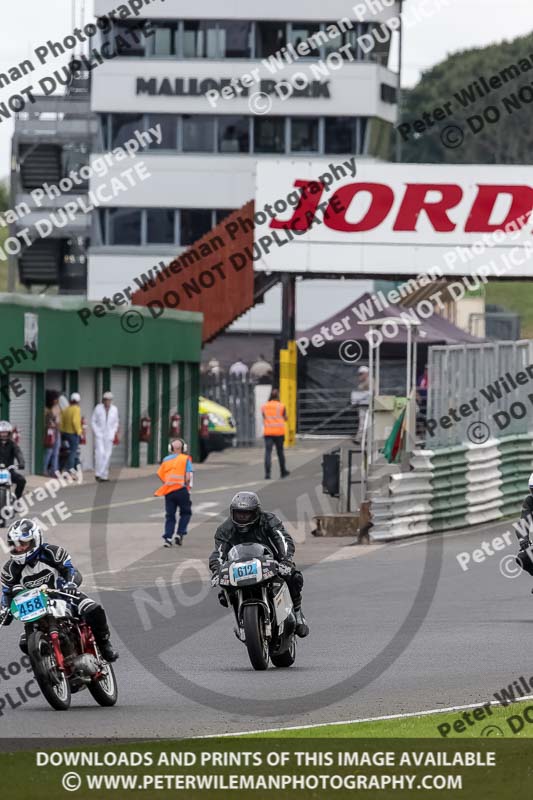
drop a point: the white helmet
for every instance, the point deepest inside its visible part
(6, 429)
(24, 532)
(75, 397)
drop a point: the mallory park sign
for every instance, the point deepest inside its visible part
(196, 87)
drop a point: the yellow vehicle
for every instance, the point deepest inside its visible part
(217, 427)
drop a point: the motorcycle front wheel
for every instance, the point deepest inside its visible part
(105, 690)
(52, 682)
(256, 641)
(287, 658)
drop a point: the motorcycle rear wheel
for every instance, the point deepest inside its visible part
(256, 642)
(287, 658)
(56, 692)
(105, 691)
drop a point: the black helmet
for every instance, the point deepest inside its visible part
(244, 510)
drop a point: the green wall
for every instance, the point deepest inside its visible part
(66, 343)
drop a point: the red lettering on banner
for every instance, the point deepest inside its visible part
(414, 202)
(306, 208)
(382, 200)
(521, 206)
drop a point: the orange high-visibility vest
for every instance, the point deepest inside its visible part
(172, 472)
(274, 418)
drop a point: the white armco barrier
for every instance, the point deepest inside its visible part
(452, 487)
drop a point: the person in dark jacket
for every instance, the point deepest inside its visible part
(34, 563)
(248, 523)
(11, 454)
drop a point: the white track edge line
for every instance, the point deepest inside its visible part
(365, 719)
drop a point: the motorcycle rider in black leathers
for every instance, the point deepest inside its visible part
(11, 454)
(524, 558)
(36, 563)
(248, 523)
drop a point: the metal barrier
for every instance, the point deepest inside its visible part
(457, 376)
(237, 394)
(337, 476)
(326, 412)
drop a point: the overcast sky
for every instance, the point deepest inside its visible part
(26, 24)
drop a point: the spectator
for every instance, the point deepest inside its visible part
(274, 429)
(52, 423)
(176, 474)
(71, 429)
(63, 401)
(213, 367)
(238, 369)
(104, 423)
(261, 370)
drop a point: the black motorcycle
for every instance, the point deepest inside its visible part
(262, 604)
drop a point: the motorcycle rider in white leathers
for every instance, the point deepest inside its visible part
(104, 423)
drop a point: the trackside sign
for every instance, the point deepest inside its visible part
(393, 218)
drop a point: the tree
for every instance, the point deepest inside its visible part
(489, 92)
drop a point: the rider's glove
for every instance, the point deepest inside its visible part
(525, 543)
(70, 586)
(285, 567)
(6, 617)
(215, 579)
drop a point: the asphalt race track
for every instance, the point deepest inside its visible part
(394, 628)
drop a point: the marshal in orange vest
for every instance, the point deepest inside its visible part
(274, 418)
(172, 472)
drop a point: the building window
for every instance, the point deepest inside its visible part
(233, 134)
(269, 38)
(125, 226)
(269, 135)
(160, 226)
(235, 39)
(222, 213)
(300, 32)
(194, 223)
(198, 133)
(169, 125)
(341, 135)
(162, 42)
(129, 39)
(123, 127)
(201, 40)
(304, 135)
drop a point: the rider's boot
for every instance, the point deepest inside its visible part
(302, 628)
(96, 617)
(107, 649)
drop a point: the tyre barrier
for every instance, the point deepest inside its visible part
(451, 487)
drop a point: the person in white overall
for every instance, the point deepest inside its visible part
(104, 423)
